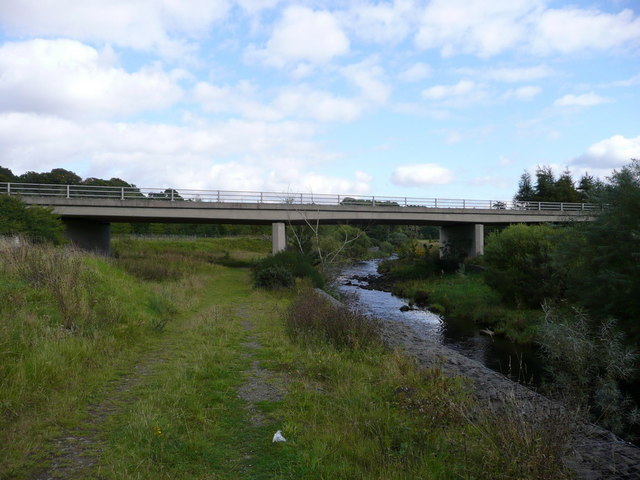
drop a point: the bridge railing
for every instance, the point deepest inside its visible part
(229, 196)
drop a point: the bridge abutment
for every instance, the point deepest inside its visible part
(91, 235)
(468, 239)
(278, 237)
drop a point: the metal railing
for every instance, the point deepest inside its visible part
(228, 196)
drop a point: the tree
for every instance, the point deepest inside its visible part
(38, 224)
(525, 188)
(6, 175)
(519, 264)
(545, 184)
(602, 258)
(565, 190)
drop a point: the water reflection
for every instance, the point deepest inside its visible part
(516, 361)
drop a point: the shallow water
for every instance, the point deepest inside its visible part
(516, 361)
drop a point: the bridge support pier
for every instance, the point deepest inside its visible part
(466, 238)
(89, 235)
(278, 237)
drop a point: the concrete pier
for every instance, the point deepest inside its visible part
(278, 237)
(468, 238)
(91, 235)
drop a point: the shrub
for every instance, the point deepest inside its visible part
(36, 223)
(283, 267)
(588, 363)
(519, 263)
(273, 276)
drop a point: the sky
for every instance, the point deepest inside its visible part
(409, 98)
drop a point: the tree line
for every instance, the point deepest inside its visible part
(547, 188)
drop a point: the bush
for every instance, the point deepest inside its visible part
(519, 264)
(273, 276)
(36, 223)
(281, 269)
(588, 362)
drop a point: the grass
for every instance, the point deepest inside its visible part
(169, 396)
(467, 299)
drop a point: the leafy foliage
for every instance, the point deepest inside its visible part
(38, 224)
(280, 270)
(602, 258)
(588, 361)
(519, 262)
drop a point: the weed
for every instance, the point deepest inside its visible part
(311, 317)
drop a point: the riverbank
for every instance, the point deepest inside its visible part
(594, 452)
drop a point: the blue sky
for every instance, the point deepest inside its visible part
(440, 98)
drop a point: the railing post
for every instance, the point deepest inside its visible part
(561, 207)
(464, 204)
(172, 194)
(8, 189)
(435, 203)
(121, 193)
(261, 197)
(218, 196)
(338, 199)
(68, 191)
(373, 201)
(405, 201)
(539, 206)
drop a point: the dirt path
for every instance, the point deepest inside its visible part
(79, 449)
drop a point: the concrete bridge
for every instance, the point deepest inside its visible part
(88, 211)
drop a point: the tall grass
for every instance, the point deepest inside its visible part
(312, 318)
(62, 314)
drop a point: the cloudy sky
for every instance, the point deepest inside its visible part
(439, 98)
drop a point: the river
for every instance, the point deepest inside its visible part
(516, 361)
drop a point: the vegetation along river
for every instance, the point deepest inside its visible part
(516, 361)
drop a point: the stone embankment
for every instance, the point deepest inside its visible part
(594, 452)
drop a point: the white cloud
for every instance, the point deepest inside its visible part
(318, 105)
(487, 29)
(369, 77)
(160, 25)
(585, 100)
(421, 175)
(239, 100)
(304, 35)
(527, 92)
(416, 72)
(255, 6)
(474, 27)
(230, 155)
(381, 22)
(439, 92)
(613, 152)
(68, 78)
(518, 74)
(570, 30)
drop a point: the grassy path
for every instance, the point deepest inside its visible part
(196, 403)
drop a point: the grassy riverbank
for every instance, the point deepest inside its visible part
(188, 373)
(464, 298)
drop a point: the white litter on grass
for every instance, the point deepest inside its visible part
(277, 437)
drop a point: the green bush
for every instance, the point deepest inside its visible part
(273, 276)
(36, 223)
(519, 264)
(276, 270)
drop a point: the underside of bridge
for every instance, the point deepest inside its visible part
(95, 236)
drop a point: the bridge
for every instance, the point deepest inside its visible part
(88, 211)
